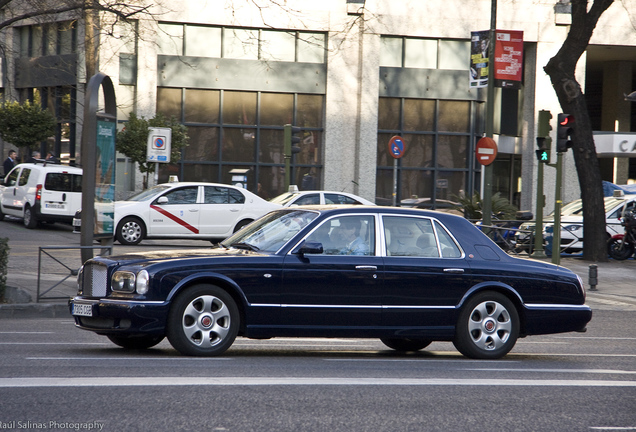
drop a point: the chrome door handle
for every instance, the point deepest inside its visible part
(454, 270)
(367, 267)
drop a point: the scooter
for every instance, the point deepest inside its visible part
(622, 246)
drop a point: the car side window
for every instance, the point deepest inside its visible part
(339, 199)
(448, 246)
(24, 177)
(409, 237)
(12, 178)
(350, 235)
(236, 197)
(215, 195)
(185, 195)
(309, 199)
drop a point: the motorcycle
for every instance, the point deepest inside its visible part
(622, 246)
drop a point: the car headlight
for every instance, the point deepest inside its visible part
(142, 282)
(123, 281)
(127, 281)
(572, 228)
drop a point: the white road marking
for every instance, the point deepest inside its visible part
(293, 381)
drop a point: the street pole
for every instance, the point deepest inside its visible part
(538, 227)
(556, 228)
(490, 116)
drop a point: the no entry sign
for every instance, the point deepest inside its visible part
(486, 151)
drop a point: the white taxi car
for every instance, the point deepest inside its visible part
(187, 210)
(314, 197)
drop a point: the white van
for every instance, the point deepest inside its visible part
(41, 192)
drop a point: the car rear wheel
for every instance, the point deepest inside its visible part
(30, 221)
(130, 231)
(241, 224)
(406, 344)
(203, 321)
(135, 342)
(488, 326)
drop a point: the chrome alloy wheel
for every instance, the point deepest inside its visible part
(131, 232)
(206, 321)
(489, 325)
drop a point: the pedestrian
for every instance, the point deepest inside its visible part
(35, 157)
(10, 162)
(50, 157)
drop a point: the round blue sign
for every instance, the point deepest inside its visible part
(396, 147)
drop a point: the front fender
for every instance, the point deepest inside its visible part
(207, 278)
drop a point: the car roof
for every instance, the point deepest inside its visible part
(47, 166)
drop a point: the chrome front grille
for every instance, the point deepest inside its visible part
(95, 280)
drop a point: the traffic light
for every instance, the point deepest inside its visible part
(291, 140)
(565, 128)
(543, 154)
(543, 136)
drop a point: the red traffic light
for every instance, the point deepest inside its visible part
(566, 119)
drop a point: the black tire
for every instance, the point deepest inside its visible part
(30, 220)
(203, 321)
(135, 342)
(130, 231)
(406, 344)
(488, 326)
(241, 224)
(1, 214)
(619, 250)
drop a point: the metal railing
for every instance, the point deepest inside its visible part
(70, 270)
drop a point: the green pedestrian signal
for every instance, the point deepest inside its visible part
(543, 154)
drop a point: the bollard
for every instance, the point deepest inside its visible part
(593, 275)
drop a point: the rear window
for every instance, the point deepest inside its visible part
(63, 182)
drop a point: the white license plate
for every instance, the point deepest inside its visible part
(82, 309)
(55, 206)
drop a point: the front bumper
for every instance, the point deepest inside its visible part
(121, 317)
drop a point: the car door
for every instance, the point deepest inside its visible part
(175, 213)
(221, 210)
(425, 273)
(10, 205)
(333, 290)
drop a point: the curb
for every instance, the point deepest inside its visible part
(34, 310)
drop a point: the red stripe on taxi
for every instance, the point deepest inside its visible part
(174, 218)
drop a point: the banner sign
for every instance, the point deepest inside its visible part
(479, 43)
(508, 58)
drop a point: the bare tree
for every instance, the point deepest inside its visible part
(561, 69)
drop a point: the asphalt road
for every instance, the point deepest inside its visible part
(55, 375)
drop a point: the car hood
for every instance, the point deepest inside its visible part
(167, 255)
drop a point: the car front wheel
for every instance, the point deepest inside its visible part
(488, 327)
(130, 231)
(203, 321)
(406, 344)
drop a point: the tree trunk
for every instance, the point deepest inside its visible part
(561, 70)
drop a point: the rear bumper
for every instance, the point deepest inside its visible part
(546, 319)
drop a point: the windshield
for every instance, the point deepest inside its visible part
(283, 199)
(575, 208)
(148, 193)
(271, 232)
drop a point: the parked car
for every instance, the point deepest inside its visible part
(296, 198)
(41, 192)
(186, 210)
(572, 224)
(408, 277)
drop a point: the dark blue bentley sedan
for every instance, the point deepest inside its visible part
(405, 276)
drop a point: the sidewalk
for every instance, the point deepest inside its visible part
(615, 290)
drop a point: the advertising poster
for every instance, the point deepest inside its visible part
(105, 177)
(509, 59)
(479, 44)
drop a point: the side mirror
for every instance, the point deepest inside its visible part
(162, 200)
(312, 248)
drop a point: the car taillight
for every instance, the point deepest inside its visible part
(38, 192)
